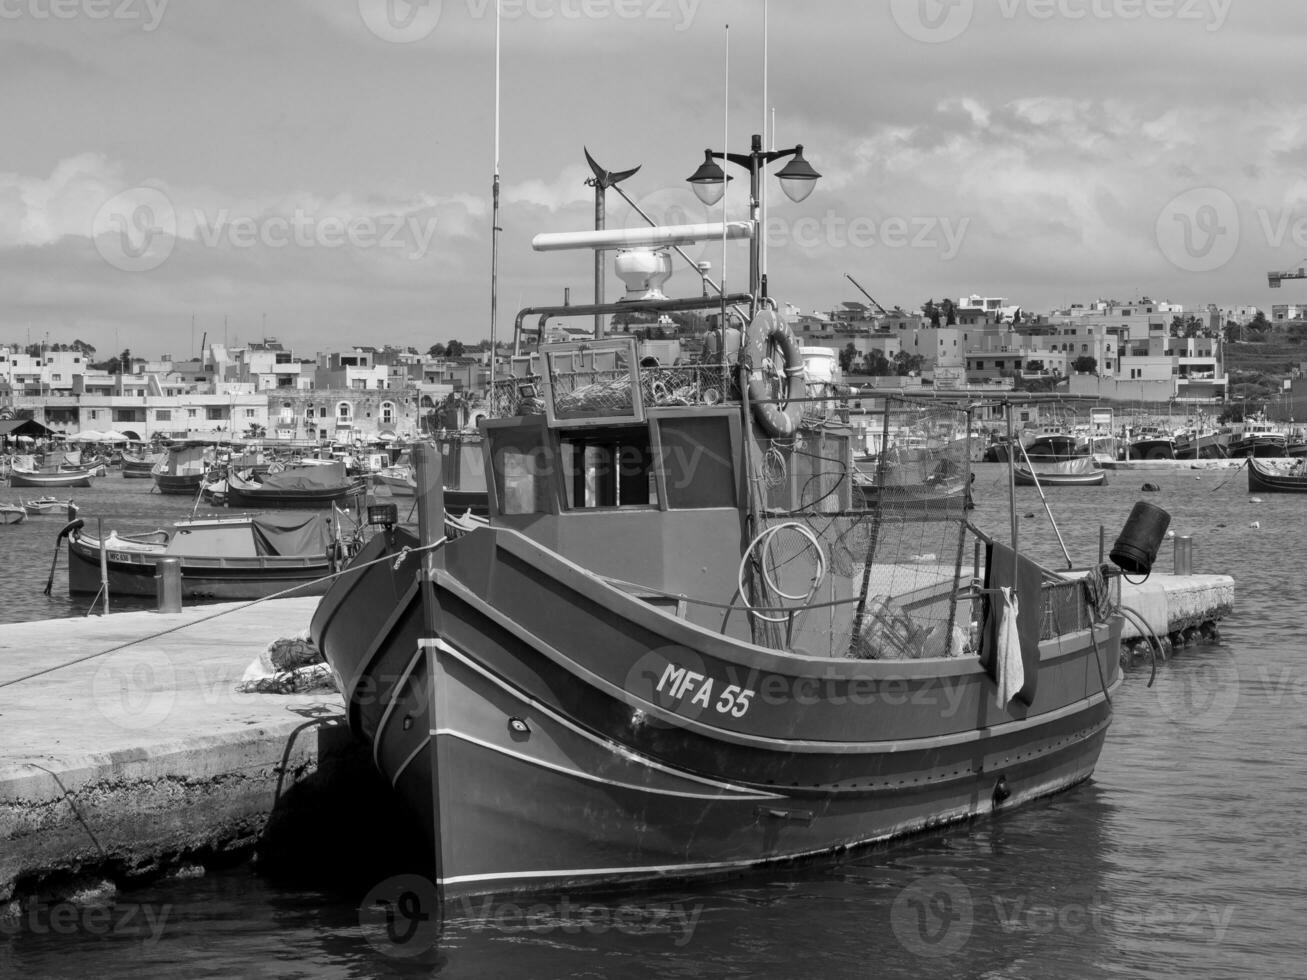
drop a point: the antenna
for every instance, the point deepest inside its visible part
(494, 219)
(768, 142)
(726, 184)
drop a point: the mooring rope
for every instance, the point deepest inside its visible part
(396, 560)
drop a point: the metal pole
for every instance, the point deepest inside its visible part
(104, 564)
(1048, 510)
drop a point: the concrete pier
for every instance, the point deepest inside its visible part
(127, 762)
(1172, 604)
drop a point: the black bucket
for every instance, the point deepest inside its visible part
(1136, 546)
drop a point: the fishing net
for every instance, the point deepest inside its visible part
(878, 502)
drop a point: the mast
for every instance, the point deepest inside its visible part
(494, 226)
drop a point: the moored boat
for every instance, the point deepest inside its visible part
(1082, 472)
(49, 478)
(1268, 476)
(678, 650)
(305, 486)
(183, 468)
(46, 505)
(238, 557)
(12, 514)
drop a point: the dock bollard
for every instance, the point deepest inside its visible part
(168, 585)
(1184, 555)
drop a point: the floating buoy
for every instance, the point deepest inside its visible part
(1255, 524)
(1170, 534)
(1028, 516)
(1150, 488)
(1254, 500)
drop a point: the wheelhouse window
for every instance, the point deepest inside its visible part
(608, 467)
(697, 462)
(523, 472)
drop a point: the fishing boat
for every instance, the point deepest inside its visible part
(318, 485)
(1257, 436)
(677, 649)
(1082, 472)
(238, 557)
(46, 505)
(1150, 442)
(1272, 476)
(50, 478)
(140, 466)
(12, 514)
(183, 468)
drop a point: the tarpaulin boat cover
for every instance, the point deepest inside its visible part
(291, 534)
(1081, 465)
(329, 476)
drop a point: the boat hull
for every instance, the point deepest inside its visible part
(188, 484)
(17, 478)
(550, 738)
(1262, 479)
(240, 496)
(1025, 478)
(133, 573)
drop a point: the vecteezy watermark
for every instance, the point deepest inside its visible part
(408, 21)
(402, 917)
(1199, 695)
(933, 916)
(937, 21)
(119, 919)
(936, 916)
(936, 232)
(1198, 230)
(407, 233)
(136, 230)
(149, 13)
(565, 917)
(135, 688)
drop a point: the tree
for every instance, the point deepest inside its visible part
(1084, 364)
(255, 431)
(906, 364)
(436, 350)
(454, 348)
(878, 364)
(950, 310)
(1258, 325)
(847, 358)
(929, 309)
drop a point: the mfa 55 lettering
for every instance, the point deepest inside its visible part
(677, 682)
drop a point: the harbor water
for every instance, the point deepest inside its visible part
(1181, 858)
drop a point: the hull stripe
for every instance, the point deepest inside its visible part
(729, 793)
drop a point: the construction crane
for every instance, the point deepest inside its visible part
(1273, 278)
(883, 311)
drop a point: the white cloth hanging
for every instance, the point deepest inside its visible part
(1010, 671)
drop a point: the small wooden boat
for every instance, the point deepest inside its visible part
(49, 478)
(140, 466)
(183, 468)
(1265, 476)
(1082, 472)
(12, 514)
(317, 486)
(46, 505)
(240, 557)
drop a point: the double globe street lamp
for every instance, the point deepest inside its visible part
(797, 179)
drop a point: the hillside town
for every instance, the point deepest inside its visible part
(1141, 353)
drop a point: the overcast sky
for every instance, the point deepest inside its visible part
(319, 170)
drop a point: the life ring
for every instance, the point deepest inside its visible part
(776, 418)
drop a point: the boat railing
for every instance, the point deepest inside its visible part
(587, 389)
